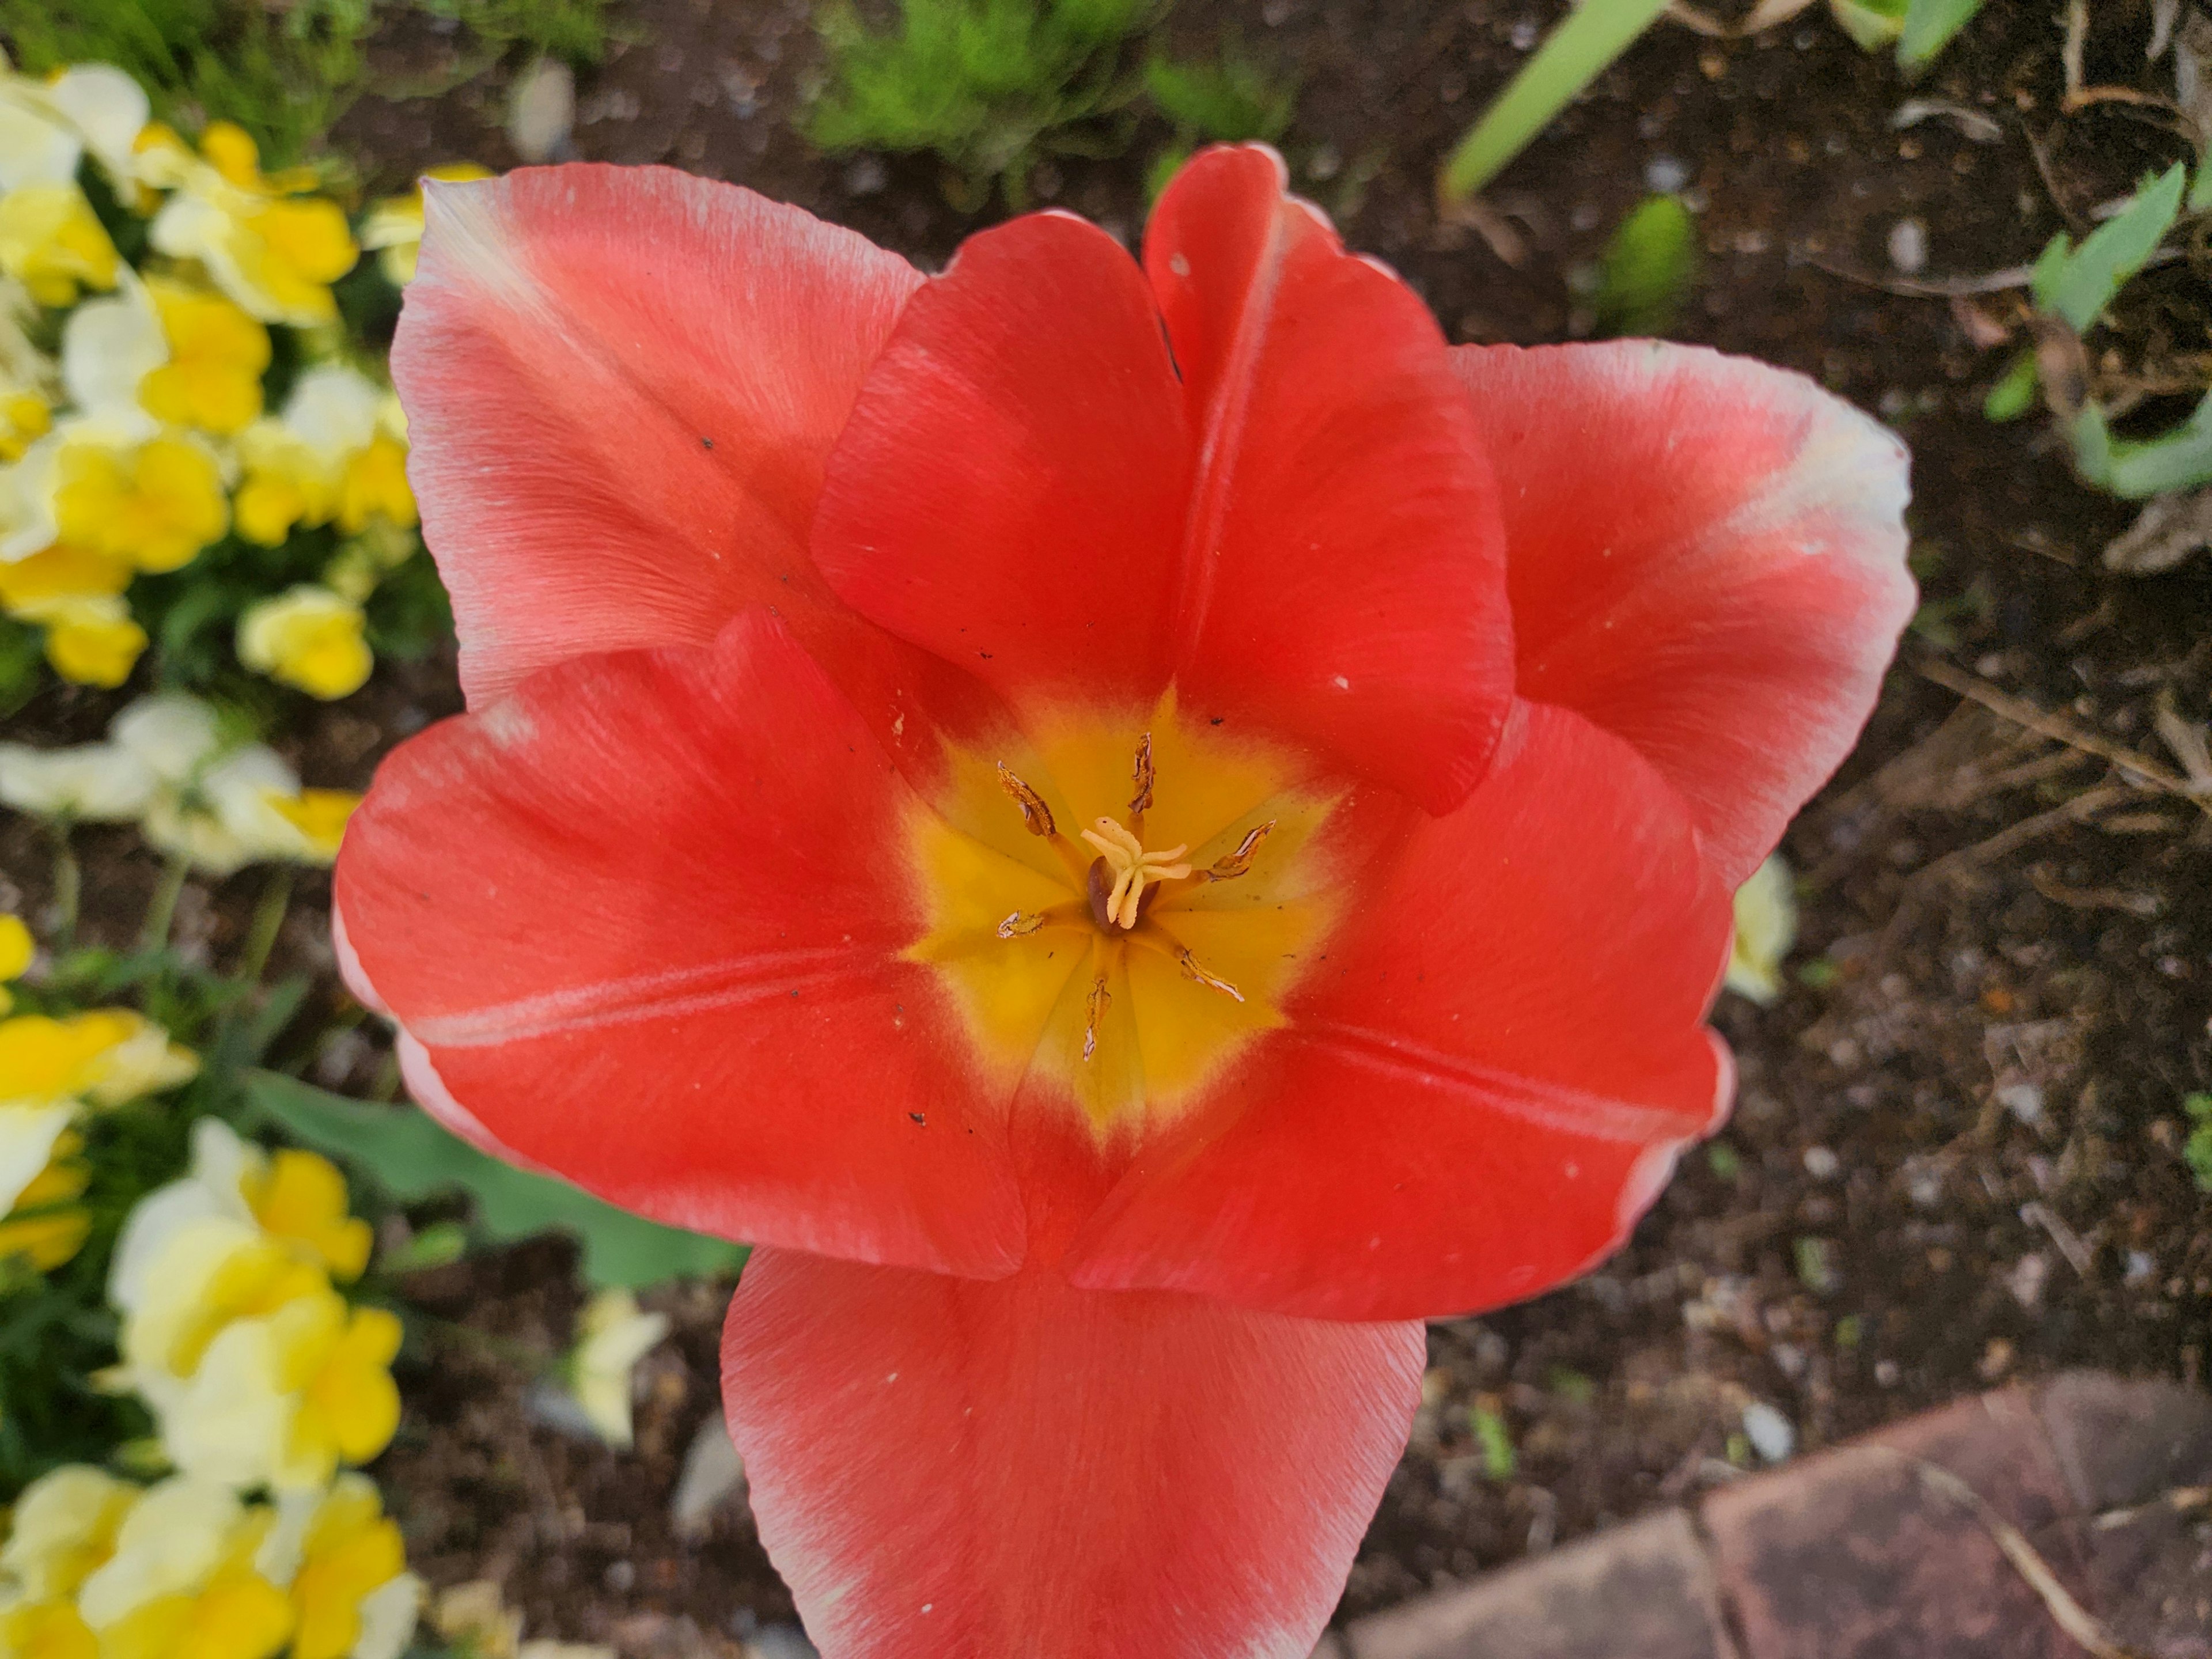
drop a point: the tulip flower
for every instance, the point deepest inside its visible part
(1137, 827)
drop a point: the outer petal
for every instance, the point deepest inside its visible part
(1707, 557)
(1280, 503)
(945, 1469)
(1343, 563)
(640, 924)
(1485, 1086)
(621, 385)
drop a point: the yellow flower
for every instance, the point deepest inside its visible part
(375, 486)
(65, 1527)
(351, 1554)
(25, 417)
(1765, 927)
(217, 354)
(336, 452)
(45, 1227)
(320, 816)
(17, 947)
(308, 637)
(300, 1197)
(183, 1583)
(92, 641)
(156, 504)
(612, 1336)
(44, 1060)
(52, 243)
(216, 1273)
(46, 1630)
(275, 256)
(395, 224)
(341, 1367)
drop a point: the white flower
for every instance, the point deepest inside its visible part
(90, 783)
(170, 1544)
(172, 734)
(108, 346)
(108, 109)
(612, 1337)
(39, 145)
(1765, 927)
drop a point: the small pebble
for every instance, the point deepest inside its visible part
(1821, 1163)
(1769, 1431)
(866, 177)
(541, 111)
(1885, 1373)
(2023, 1100)
(1664, 174)
(2142, 1267)
(1908, 246)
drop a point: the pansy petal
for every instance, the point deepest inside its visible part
(1707, 558)
(1485, 1084)
(1342, 573)
(641, 924)
(1010, 491)
(943, 1468)
(621, 385)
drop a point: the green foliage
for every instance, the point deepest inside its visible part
(2199, 1151)
(284, 73)
(1575, 54)
(2077, 284)
(990, 86)
(1228, 100)
(1872, 23)
(2136, 469)
(575, 30)
(1649, 268)
(20, 654)
(1495, 1440)
(410, 1157)
(1928, 27)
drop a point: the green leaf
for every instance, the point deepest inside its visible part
(1872, 23)
(1648, 269)
(1496, 1441)
(1928, 27)
(1578, 51)
(411, 1158)
(2077, 284)
(2137, 469)
(2013, 395)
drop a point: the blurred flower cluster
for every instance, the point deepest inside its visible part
(194, 439)
(263, 1384)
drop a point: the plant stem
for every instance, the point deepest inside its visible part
(268, 920)
(69, 886)
(162, 913)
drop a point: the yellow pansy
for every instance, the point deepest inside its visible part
(183, 1583)
(155, 503)
(46, 1227)
(64, 1529)
(52, 243)
(274, 254)
(334, 454)
(1765, 927)
(351, 1551)
(308, 637)
(217, 1272)
(46, 1630)
(75, 595)
(320, 816)
(25, 417)
(611, 1337)
(218, 354)
(300, 1197)
(339, 1361)
(394, 226)
(44, 1060)
(237, 1615)
(375, 486)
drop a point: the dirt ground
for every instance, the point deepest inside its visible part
(1956, 1154)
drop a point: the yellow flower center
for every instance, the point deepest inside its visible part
(1130, 961)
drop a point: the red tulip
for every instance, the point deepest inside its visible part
(1138, 830)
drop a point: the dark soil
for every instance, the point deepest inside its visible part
(1956, 1161)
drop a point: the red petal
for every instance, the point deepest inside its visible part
(621, 385)
(1487, 1083)
(1009, 492)
(1343, 566)
(946, 1469)
(1302, 529)
(644, 919)
(1708, 558)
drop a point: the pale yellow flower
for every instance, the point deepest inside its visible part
(86, 783)
(352, 1594)
(273, 252)
(53, 243)
(46, 1227)
(64, 1529)
(308, 637)
(1765, 927)
(394, 225)
(612, 1336)
(338, 454)
(218, 354)
(50, 1068)
(183, 1583)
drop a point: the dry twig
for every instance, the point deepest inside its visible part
(2022, 712)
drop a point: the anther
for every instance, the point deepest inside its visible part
(1188, 963)
(1021, 924)
(1231, 865)
(1094, 1014)
(1143, 799)
(1035, 813)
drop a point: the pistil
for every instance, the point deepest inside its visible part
(1132, 869)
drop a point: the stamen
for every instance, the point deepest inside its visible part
(1188, 963)
(1035, 813)
(1143, 797)
(1231, 865)
(1134, 868)
(1021, 924)
(1094, 1013)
